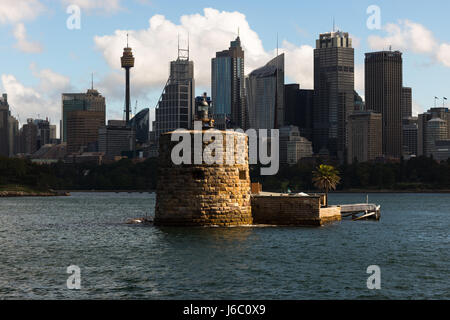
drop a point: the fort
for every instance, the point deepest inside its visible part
(219, 194)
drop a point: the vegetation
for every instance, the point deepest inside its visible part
(421, 174)
(326, 178)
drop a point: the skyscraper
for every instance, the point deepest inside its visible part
(175, 107)
(4, 113)
(334, 82)
(92, 101)
(384, 88)
(227, 86)
(9, 129)
(265, 95)
(299, 108)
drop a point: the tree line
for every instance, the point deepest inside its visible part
(416, 174)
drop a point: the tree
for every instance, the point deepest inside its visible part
(326, 178)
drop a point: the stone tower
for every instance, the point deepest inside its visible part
(204, 194)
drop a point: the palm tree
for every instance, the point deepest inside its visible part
(326, 178)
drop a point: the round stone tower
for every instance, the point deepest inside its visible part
(202, 193)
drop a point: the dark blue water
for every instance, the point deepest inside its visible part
(41, 237)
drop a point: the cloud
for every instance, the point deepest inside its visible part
(43, 99)
(23, 44)
(412, 37)
(209, 32)
(14, 11)
(443, 54)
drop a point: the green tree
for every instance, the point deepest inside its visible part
(326, 178)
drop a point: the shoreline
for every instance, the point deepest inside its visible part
(15, 194)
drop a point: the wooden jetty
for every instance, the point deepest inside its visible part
(364, 211)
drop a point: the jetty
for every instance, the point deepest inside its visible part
(363, 211)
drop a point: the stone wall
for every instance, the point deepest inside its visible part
(203, 194)
(292, 211)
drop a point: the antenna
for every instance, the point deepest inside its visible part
(238, 31)
(277, 44)
(127, 39)
(334, 25)
(92, 81)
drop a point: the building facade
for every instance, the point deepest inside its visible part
(299, 109)
(334, 82)
(227, 87)
(175, 109)
(141, 125)
(116, 139)
(406, 102)
(384, 90)
(82, 130)
(365, 143)
(265, 95)
(436, 130)
(92, 101)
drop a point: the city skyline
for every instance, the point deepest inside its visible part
(46, 71)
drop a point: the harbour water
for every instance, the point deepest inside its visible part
(41, 237)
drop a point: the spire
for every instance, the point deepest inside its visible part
(277, 44)
(92, 81)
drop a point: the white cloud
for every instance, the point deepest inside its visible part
(209, 32)
(14, 11)
(443, 54)
(412, 37)
(43, 99)
(23, 44)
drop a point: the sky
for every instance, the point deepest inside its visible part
(45, 51)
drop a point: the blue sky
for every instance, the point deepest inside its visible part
(41, 58)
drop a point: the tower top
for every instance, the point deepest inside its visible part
(127, 59)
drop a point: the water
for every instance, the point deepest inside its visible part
(41, 237)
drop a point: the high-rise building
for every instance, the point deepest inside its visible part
(82, 130)
(227, 87)
(359, 103)
(92, 101)
(9, 130)
(175, 109)
(384, 88)
(116, 139)
(265, 95)
(28, 137)
(406, 102)
(141, 125)
(4, 114)
(364, 131)
(299, 108)
(334, 82)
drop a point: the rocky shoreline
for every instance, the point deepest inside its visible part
(11, 194)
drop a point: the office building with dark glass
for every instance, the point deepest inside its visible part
(175, 109)
(384, 92)
(227, 87)
(334, 78)
(265, 95)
